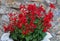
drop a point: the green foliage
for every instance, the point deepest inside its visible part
(37, 35)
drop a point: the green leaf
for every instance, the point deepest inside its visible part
(20, 40)
(29, 37)
(14, 37)
(43, 35)
(35, 35)
(20, 31)
(34, 40)
(36, 21)
(22, 36)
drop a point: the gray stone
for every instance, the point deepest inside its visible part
(58, 33)
(58, 36)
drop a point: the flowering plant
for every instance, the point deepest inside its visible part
(30, 24)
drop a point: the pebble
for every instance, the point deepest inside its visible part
(58, 33)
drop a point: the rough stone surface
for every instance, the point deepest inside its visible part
(55, 31)
(58, 33)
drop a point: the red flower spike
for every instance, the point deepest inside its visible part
(32, 7)
(50, 14)
(48, 26)
(10, 14)
(38, 12)
(33, 13)
(14, 19)
(24, 11)
(41, 8)
(32, 25)
(32, 18)
(46, 19)
(10, 28)
(14, 23)
(52, 6)
(27, 25)
(5, 28)
(19, 25)
(25, 32)
(22, 6)
(45, 29)
(39, 15)
(20, 16)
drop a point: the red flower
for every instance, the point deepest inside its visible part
(41, 8)
(31, 7)
(19, 25)
(20, 16)
(52, 5)
(10, 28)
(14, 23)
(14, 19)
(5, 28)
(22, 6)
(24, 20)
(48, 26)
(32, 18)
(10, 14)
(25, 32)
(38, 12)
(33, 13)
(27, 25)
(24, 11)
(50, 14)
(32, 25)
(39, 15)
(45, 29)
(46, 19)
